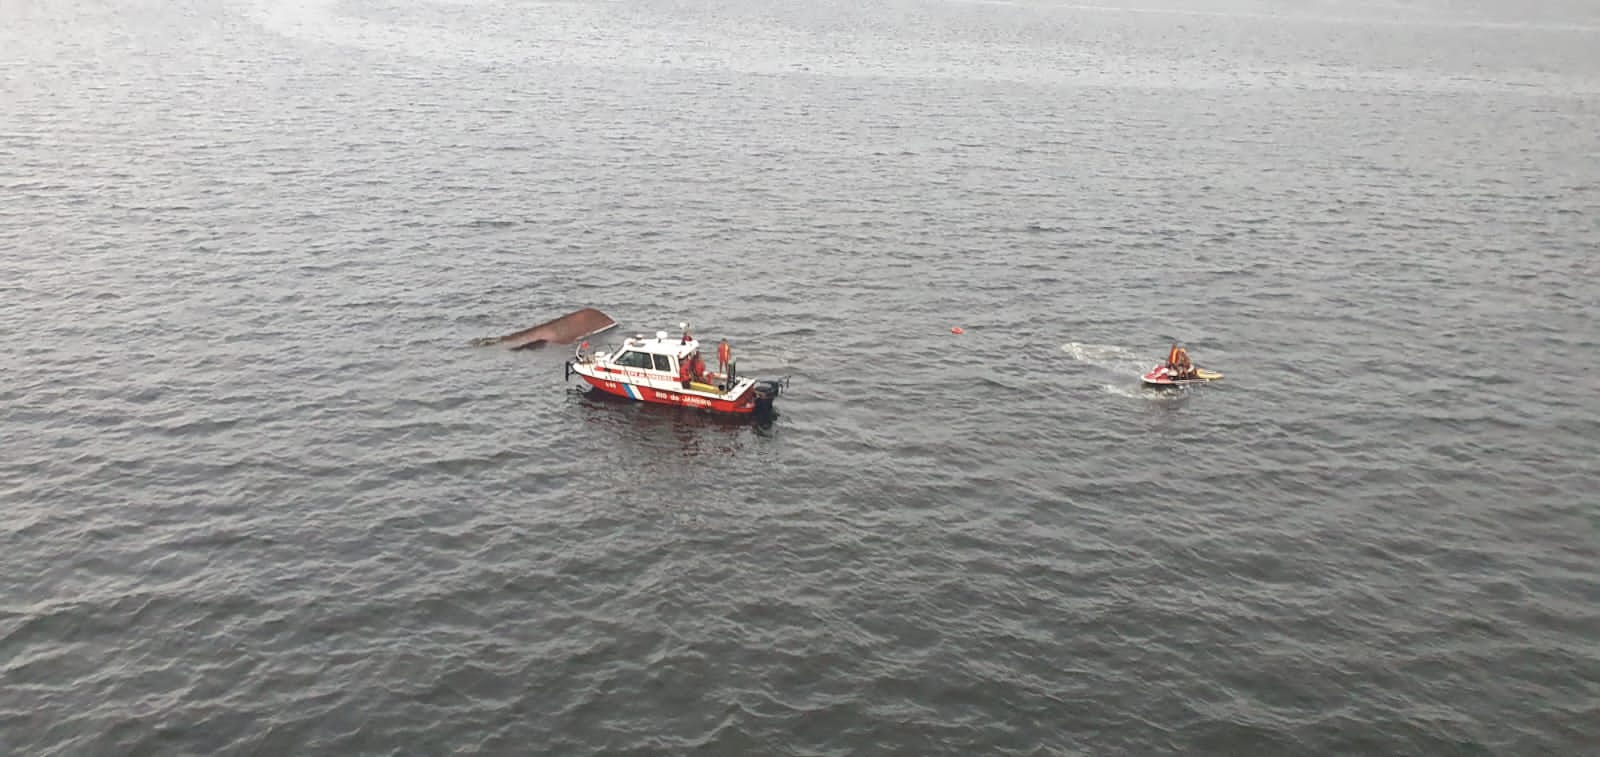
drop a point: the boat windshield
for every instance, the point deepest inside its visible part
(633, 359)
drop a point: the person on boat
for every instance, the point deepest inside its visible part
(685, 372)
(1178, 363)
(723, 356)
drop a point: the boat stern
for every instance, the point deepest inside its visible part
(766, 391)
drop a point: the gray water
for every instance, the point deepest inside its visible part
(261, 497)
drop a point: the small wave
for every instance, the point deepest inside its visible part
(1118, 360)
(1135, 391)
(1127, 391)
(1109, 357)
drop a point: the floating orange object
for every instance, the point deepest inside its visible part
(956, 330)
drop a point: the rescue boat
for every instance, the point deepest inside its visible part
(669, 371)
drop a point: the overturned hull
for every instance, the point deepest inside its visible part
(576, 325)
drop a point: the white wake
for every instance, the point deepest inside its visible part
(1111, 357)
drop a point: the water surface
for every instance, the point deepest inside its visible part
(264, 498)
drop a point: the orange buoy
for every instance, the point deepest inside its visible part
(956, 330)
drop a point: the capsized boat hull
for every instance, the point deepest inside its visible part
(567, 329)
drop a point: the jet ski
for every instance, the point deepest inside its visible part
(1178, 371)
(1162, 376)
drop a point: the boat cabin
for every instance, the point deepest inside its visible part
(660, 354)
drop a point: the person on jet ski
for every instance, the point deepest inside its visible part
(1178, 363)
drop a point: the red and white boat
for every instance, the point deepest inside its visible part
(669, 371)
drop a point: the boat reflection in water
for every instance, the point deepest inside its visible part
(620, 425)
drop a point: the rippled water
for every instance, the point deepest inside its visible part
(261, 496)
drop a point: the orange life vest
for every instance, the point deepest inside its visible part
(1178, 359)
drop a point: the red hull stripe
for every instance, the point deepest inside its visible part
(662, 397)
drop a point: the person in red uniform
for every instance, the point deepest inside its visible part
(723, 355)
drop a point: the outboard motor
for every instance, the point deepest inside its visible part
(766, 391)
